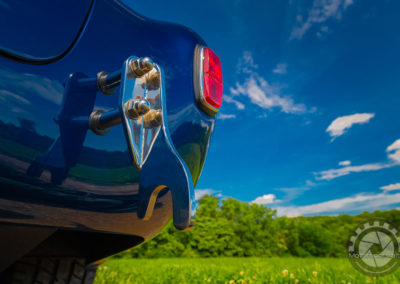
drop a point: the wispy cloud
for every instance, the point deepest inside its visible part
(335, 173)
(321, 11)
(25, 83)
(260, 91)
(265, 199)
(393, 152)
(345, 163)
(238, 104)
(339, 126)
(246, 63)
(290, 194)
(281, 68)
(390, 187)
(226, 116)
(200, 193)
(266, 96)
(359, 202)
(293, 192)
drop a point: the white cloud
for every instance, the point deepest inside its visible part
(345, 163)
(321, 11)
(394, 151)
(281, 68)
(341, 124)
(265, 199)
(229, 99)
(393, 186)
(393, 160)
(347, 3)
(259, 91)
(246, 63)
(353, 203)
(266, 96)
(200, 193)
(226, 116)
(335, 173)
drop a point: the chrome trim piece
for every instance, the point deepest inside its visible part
(102, 83)
(134, 86)
(94, 124)
(164, 167)
(108, 82)
(142, 113)
(100, 121)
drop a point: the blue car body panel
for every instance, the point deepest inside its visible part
(42, 31)
(100, 191)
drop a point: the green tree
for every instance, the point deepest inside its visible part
(234, 228)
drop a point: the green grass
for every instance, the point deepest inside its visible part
(235, 270)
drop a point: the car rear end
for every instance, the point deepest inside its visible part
(68, 192)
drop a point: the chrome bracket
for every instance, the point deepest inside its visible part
(142, 113)
(152, 149)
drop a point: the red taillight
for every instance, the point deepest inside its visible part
(209, 75)
(212, 78)
(212, 64)
(212, 91)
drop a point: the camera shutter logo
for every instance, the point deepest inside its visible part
(373, 248)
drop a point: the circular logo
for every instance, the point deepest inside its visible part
(373, 248)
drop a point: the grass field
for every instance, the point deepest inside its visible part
(235, 270)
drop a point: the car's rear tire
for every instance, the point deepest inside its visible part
(50, 270)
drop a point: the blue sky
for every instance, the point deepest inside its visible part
(310, 121)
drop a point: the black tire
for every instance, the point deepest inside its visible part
(49, 271)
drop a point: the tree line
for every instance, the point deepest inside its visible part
(234, 228)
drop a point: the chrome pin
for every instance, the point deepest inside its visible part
(100, 121)
(108, 82)
(153, 80)
(136, 108)
(139, 67)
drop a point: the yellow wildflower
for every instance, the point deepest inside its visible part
(232, 282)
(315, 273)
(291, 276)
(285, 272)
(241, 273)
(296, 281)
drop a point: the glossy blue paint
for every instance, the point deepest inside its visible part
(100, 190)
(43, 31)
(64, 153)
